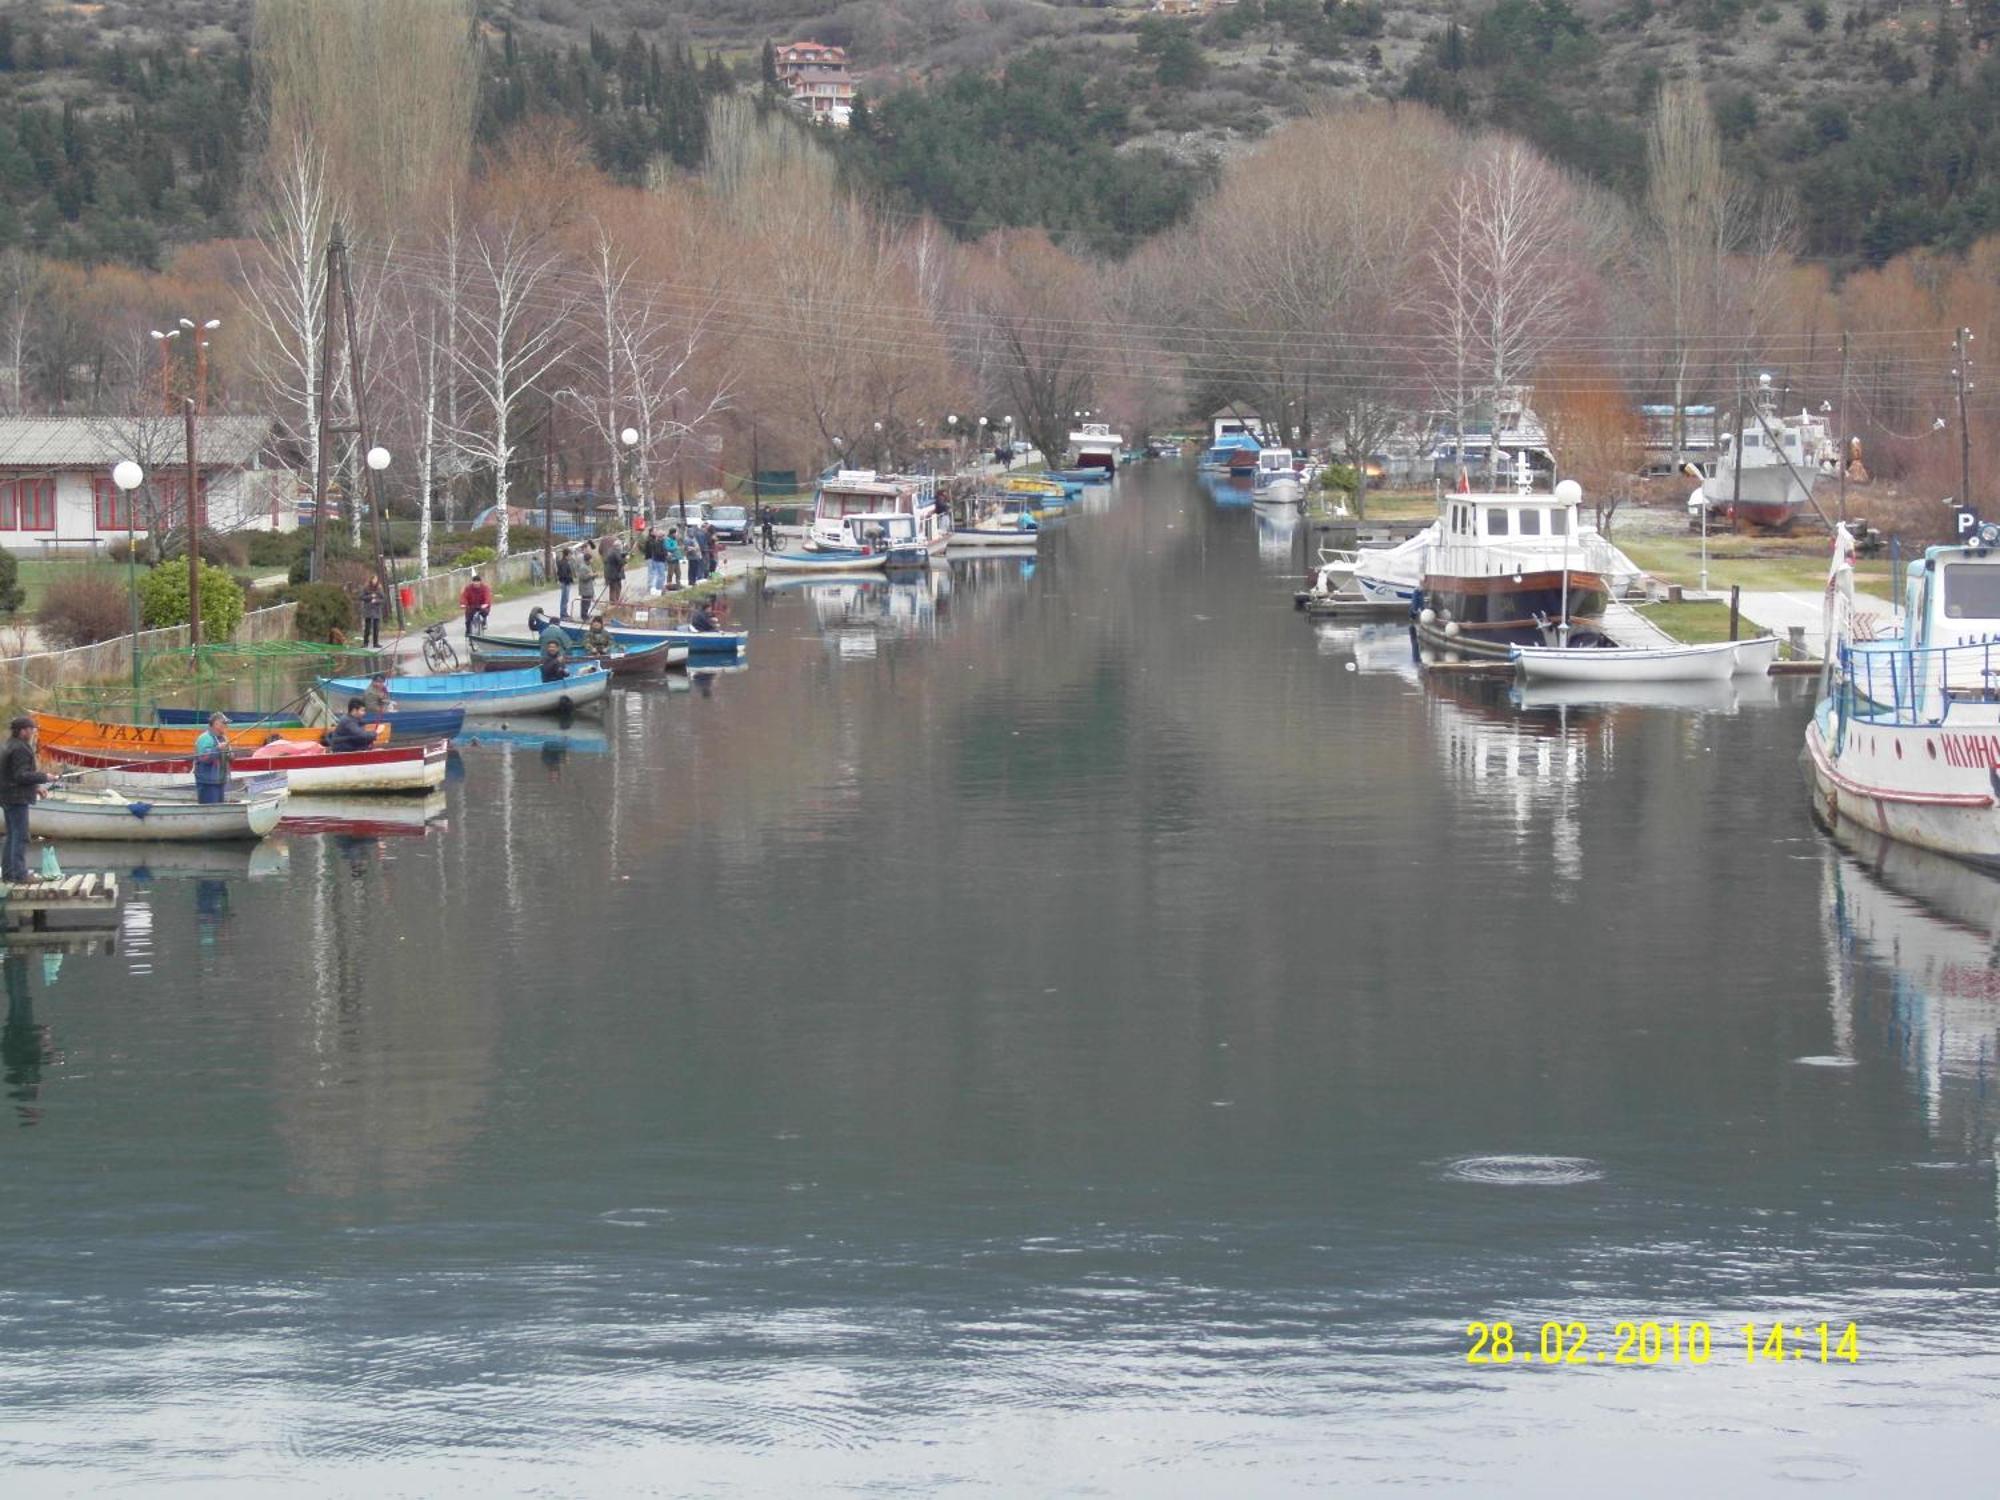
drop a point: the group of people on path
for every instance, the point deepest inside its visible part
(665, 552)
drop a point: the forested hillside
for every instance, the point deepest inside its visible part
(123, 127)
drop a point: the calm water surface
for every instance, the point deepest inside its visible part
(1054, 1030)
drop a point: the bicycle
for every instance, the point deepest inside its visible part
(439, 654)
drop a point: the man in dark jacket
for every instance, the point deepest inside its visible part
(350, 731)
(21, 782)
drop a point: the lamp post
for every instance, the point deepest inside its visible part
(628, 437)
(200, 359)
(165, 341)
(128, 476)
(378, 459)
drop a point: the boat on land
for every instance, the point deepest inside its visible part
(1711, 662)
(106, 813)
(1511, 569)
(858, 508)
(1764, 472)
(830, 561)
(1904, 739)
(404, 723)
(160, 741)
(514, 653)
(1094, 446)
(307, 768)
(487, 694)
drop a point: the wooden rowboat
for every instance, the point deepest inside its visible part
(160, 741)
(308, 769)
(1706, 663)
(483, 694)
(824, 562)
(107, 814)
(404, 723)
(513, 653)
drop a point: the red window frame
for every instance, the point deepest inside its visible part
(27, 505)
(117, 510)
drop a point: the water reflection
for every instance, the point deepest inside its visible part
(1934, 926)
(26, 1046)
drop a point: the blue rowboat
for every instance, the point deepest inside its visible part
(485, 694)
(698, 642)
(404, 723)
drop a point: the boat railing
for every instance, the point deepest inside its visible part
(1915, 685)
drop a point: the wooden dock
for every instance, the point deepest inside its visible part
(75, 903)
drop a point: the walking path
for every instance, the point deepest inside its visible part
(1628, 627)
(1779, 611)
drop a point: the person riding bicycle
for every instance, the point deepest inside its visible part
(476, 599)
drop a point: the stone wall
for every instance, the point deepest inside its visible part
(27, 680)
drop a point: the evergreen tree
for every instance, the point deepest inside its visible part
(768, 65)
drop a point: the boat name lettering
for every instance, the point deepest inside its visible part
(1972, 750)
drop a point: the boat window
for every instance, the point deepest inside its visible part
(1971, 591)
(1531, 523)
(1559, 522)
(1752, 440)
(1496, 521)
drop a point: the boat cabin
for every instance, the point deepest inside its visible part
(1501, 533)
(855, 507)
(1276, 463)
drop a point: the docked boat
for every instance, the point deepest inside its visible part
(997, 534)
(515, 653)
(485, 694)
(307, 768)
(1095, 446)
(1710, 662)
(1232, 452)
(1765, 471)
(106, 813)
(1507, 570)
(158, 741)
(424, 724)
(1278, 480)
(1905, 737)
(859, 508)
(697, 643)
(1392, 575)
(828, 561)
(1048, 492)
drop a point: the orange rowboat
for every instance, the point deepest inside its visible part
(156, 741)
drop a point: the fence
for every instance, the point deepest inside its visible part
(28, 679)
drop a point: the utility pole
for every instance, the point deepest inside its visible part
(358, 386)
(1842, 455)
(1959, 374)
(194, 532)
(548, 492)
(322, 415)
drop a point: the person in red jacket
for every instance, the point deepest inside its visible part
(477, 600)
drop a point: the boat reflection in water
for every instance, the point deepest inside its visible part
(1728, 696)
(1277, 531)
(1934, 925)
(364, 817)
(857, 612)
(139, 863)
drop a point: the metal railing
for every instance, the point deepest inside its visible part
(1914, 685)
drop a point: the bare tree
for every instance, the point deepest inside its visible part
(513, 316)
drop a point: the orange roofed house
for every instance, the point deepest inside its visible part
(816, 77)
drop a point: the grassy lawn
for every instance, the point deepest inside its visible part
(1752, 562)
(1693, 623)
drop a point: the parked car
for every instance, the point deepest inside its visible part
(1022, 448)
(730, 522)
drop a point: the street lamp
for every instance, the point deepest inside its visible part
(200, 358)
(128, 476)
(629, 436)
(165, 341)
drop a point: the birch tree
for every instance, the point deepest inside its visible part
(512, 321)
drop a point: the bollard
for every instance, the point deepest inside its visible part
(1735, 608)
(1798, 634)
(1673, 593)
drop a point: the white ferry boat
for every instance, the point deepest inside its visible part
(858, 510)
(1095, 446)
(1905, 738)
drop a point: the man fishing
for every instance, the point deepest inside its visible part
(212, 754)
(21, 782)
(350, 731)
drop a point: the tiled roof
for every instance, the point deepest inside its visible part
(92, 442)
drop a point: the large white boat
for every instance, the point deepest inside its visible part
(1278, 480)
(1095, 446)
(1905, 737)
(858, 509)
(1765, 472)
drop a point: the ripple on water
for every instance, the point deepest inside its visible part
(1815, 1468)
(1823, 1062)
(1524, 1171)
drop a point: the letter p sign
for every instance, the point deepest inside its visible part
(1968, 522)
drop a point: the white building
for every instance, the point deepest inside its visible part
(56, 492)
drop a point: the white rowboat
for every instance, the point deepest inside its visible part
(1714, 662)
(106, 814)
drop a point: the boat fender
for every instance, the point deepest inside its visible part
(1428, 617)
(564, 706)
(1451, 628)
(138, 809)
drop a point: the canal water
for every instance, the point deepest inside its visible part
(1071, 1026)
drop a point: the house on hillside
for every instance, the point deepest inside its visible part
(817, 79)
(56, 492)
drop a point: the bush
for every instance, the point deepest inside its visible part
(276, 549)
(83, 611)
(338, 550)
(163, 598)
(221, 549)
(11, 593)
(473, 557)
(323, 609)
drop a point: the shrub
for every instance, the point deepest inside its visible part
(323, 609)
(163, 597)
(473, 557)
(221, 549)
(338, 549)
(276, 549)
(83, 611)
(11, 592)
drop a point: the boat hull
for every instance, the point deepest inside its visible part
(1705, 663)
(404, 724)
(1756, 656)
(386, 769)
(155, 741)
(506, 653)
(1928, 785)
(1500, 611)
(697, 642)
(112, 816)
(826, 561)
(975, 536)
(487, 694)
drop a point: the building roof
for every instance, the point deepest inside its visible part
(100, 442)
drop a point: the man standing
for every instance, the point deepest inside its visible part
(372, 598)
(21, 782)
(476, 599)
(673, 557)
(586, 580)
(614, 570)
(566, 576)
(656, 561)
(212, 752)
